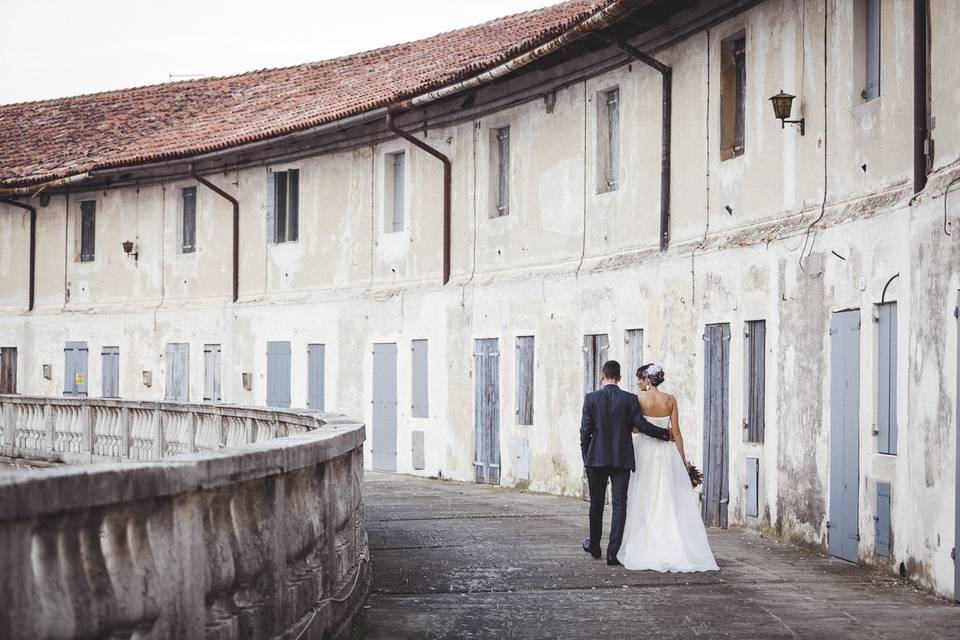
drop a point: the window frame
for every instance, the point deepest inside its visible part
(733, 95)
(84, 253)
(500, 171)
(184, 247)
(395, 191)
(286, 205)
(608, 140)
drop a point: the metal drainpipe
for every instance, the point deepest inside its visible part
(667, 112)
(33, 244)
(447, 168)
(920, 106)
(236, 227)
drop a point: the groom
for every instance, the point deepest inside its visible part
(609, 414)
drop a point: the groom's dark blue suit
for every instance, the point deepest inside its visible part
(609, 415)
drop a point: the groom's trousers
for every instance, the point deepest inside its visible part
(597, 478)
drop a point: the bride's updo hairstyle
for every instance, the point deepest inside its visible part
(653, 373)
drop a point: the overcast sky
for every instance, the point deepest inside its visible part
(53, 48)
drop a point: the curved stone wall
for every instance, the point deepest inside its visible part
(262, 540)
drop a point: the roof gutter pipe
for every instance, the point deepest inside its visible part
(920, 95)
(236, 226)
(447, 170)
(33, 244)
(667, 114)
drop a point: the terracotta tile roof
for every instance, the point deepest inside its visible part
(51, 139)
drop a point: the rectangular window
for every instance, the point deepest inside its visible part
(420, 390)
(283, 205)
(178, 372)
(396, 191)
(88, 230)
(887, 378)
(608, 140)
(188, 228)
(733, 83)
(595, 350)
(110, 371)
(756, 338)
(8, 370)
(525, 380)
(211, 373)
(278, 374)
(867, 48)
(501, 173)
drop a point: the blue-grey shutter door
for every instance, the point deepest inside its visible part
(316, 354)
(271, 207)
(278, 374)
(844, 435)
(753, 487)
(633, 360)
(487, 411)
(211, 373)
(887, 379)
(525, 361)
(420, 387)
(882, 519)
(384, 441)
(110, 371)
(178, 371)
(75, 369)
(872, 90)
(756, 375)
(956, 484)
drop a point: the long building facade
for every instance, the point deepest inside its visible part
(799, 282)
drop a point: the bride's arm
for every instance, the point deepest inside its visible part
(675, 431)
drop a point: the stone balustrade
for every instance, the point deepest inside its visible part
(254, 531)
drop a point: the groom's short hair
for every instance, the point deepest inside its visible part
(611, 370)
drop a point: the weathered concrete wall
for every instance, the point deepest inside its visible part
(260, 541)
(570, 260)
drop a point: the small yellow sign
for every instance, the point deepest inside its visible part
(79, 379)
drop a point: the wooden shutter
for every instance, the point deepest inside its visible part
(281, 205)
(75, 369)
(110, 372)
(420, 381)
(178, 372)
(293, 204)
(211, 373)
(882, 520)
(755, 422)
(752, 487)
(633, 360)
(271, 208)
(316, 376)
(8, 370)
(188, 232)
(88, 230)
(887, 379)
(278, 374)
(525, 363)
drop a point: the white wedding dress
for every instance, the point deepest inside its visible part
(663, 531)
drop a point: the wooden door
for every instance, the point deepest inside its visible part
(844, 538)
(716, 406)
(486, 410)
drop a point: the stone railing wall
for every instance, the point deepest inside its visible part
(260, 540)
(87, 430)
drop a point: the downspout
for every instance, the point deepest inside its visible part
(33, 244)
(920, 93)
(447, 169)
(236, 227)
(666, 112)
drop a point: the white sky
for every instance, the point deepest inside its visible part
(53, 48)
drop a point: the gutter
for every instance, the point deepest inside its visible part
(447, 170)
(920, 95)
(667, 113)
(35, 189)
(33, 245)
(236, 226)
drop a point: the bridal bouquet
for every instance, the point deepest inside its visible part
(696, 477)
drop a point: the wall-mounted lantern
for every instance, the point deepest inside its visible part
(128, 249)
(782, 106)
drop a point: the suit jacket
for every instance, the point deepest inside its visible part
(606, 428)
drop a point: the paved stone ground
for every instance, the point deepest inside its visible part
(455, 560)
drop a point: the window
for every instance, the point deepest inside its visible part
(278, 374)
(501, 172)
(733, 81)
(188, 220)
(595, 349)
(608, 140)
(178, 372)
(756, 338)
(211, 373)
(88, 230)
(419, 391)
(396, 191)
(110, 371)
(886, 430)
(283, 205)
(866, 48)
(8, 369)
(525, 380)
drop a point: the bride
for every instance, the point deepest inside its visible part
(663, 530)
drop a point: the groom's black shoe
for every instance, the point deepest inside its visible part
(613, 562)
(594, 552)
